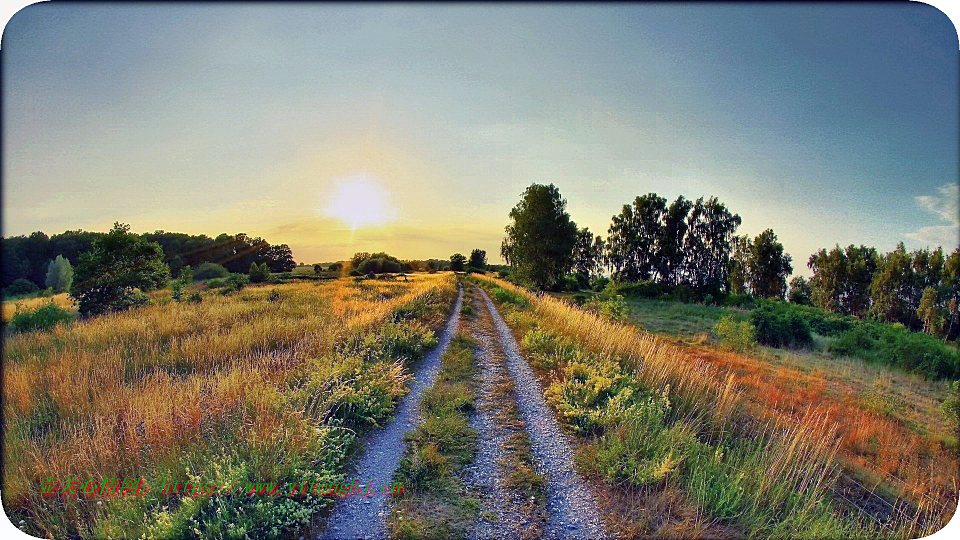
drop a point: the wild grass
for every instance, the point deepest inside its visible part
(435, 502)
(788, 463)
(238, 386)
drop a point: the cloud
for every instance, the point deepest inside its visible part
(946, 206)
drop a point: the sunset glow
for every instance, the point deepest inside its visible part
(359, 201)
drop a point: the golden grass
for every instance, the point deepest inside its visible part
(802, 446)
(126, 394)
(10, 307)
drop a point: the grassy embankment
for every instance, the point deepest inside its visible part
(267, 384)
(652, 416)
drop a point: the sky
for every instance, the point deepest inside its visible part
(414, 129)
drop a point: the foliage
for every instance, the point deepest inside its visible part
(800, 292)
(951, 405)
(841, 279)
(769, 266)
(379, 263)
(540, 237)
(613, 307)
(59, 274)
(633, 236)
(43, 318)
(234, 282)
(478, 259)
(779, 326)
(587, 255)
(209, 270)
(740, 336)
(457, 262)
(509, 297)
(115, 274)
(894, 345)
(259, 273)
(21, 286)
(707, 245)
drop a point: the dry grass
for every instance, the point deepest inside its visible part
(10, 307)
(138, 393)
(801, 447)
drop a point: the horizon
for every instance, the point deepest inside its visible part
(828, 124)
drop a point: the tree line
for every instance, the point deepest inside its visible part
(28, 257)
(693, 245)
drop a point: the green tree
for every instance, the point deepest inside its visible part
(708, 242)
(478, 259)
(842, 279)
(317, 268)
(892, 289)
(931, 313)
(259, 273)
(769, 266)
(114, 276)
(457, 262)
(587, 255)
(540, 238)
(59, 274)
(633, 237)
(800, 291)
(739, 277)
(670, 242)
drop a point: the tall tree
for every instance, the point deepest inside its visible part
(670, 243)
(739, 276)
(892, 290)
(457, 262)
(478, 259)
(114, 276)
(540, 238)
(842, 278)
(632, 249)
(59, 274)
(710, 231)
(769, 266)
(587, 255)
(800, 291)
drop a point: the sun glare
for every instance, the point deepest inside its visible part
(360, 201)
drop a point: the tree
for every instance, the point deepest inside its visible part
(892, 288)
(710, 231)
(769, 266)
(800, 291)
(59, 274)
(478, 259)
(670, 243)
(114, 276)
(587, 255)
(842, 278)
(930, 312)
(318, 268)
(540, 238)
(457, 260)
(358, 258)
(259, 273)
(632, 242)
(335, 267)
(739, 274)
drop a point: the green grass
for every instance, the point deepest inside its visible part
(679, 319)
(435, 503)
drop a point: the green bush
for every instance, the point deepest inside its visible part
(739, 336)
(779, 326)
(614, 308)
(640, 289)
(260, 273)
(599, 283)
(951, 405)
(743, 301)
(209, 270)
(43, 318)
(509, 297)
(194, 298)
(894, 345)
(21, 286)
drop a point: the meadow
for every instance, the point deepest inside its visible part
(764, 443)
(271, 383)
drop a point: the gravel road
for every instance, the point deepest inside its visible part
(573, 511)
(365, 516)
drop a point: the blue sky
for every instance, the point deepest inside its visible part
(829, 124)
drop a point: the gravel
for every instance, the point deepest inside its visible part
(572, 508)
(366, 516)
(493, 437)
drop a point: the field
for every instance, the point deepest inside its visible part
(266, 384)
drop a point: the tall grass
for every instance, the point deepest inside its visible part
(789, 464)
(264, 384)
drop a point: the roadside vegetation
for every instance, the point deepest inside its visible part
(653, 416)
(265, 384)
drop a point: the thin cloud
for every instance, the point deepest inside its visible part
(946, 206)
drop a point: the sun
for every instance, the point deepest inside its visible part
(360, 201)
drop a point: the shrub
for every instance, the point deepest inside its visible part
(739, 336)
(509, 297)
(779, 326)
(599, 283)
(379, 265)
(209, 270)
(614, 308)
(43, 318)
(640, 289)
(951, 405)
(234, 282)
(894, 345)
(22, 286)
(177, 287)
(194, 298)
(261, 272)
(743, 301)
(114, 276)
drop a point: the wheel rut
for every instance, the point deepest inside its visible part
(365, 516)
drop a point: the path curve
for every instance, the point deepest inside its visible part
(572, 508)
(366, 516)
